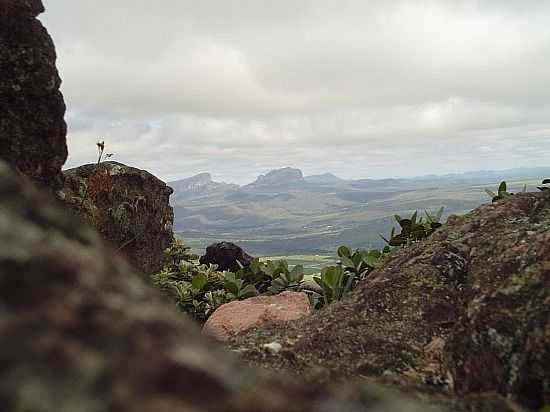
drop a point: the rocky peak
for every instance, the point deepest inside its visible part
(325, 178)
(32, 128)
(286, 175)
(193, 182)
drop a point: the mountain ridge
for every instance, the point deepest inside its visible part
(285, 212)
(332, 178)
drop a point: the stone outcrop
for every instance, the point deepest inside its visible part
(81, 332)
(128, 206)
(32, 128)
(239, 316)
(468, 309)
(226, 255)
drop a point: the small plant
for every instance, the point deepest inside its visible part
(286, 279)
(415, 228)
(361, 262)
(100, 179)
(502, 192)
(335, 282)
(237, 289)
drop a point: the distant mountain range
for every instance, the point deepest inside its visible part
(284, 212)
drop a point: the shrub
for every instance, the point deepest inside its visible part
(336, 281)
(502, 192)
(415, 228)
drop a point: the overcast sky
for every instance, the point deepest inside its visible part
(360, 88)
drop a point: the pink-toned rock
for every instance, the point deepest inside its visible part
(238, 316)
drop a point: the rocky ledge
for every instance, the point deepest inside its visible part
(128, 206)
(82, 332)
(466, 311)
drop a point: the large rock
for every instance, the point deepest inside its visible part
(81, 332)
(467, 309)
(32, 128)
(238, 316)
(130, 208)
(226, 256)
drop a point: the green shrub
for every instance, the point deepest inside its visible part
(196, 289)
(415, 228)
(237, 289)
(336, 281)
(502, 192)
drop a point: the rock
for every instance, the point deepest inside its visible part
(32, 128)
(81, 332)
(241, 315)
(226, 255)
(467, 309)
(130, 209)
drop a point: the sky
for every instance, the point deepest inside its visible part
(362, 89)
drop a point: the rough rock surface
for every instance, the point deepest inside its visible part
(131, 210)
(238, 316)
(467, 309)
(80, 332)
(32, 128)
(226, 255)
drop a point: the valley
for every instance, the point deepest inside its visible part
(284, 213)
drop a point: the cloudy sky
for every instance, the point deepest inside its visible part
(360, 88)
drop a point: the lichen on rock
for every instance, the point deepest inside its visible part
(132, 212)
(32, 128)
(80, 331)
(467, 309)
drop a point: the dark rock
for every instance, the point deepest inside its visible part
(32, 128)
(226, 255)
(467, 309)
(130, 208)
(81, 332)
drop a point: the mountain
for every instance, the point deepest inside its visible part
(324, 179)
(198, 186)
(278, 178)
(284, 212)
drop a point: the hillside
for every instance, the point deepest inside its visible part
(284, 212)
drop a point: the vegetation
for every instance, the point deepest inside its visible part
(199, 289)
(100, 180)
(414, 228)
(502, 192)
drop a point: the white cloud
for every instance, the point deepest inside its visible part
(361, 88)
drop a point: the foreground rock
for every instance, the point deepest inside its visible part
(226, 256)
(130, 208)
(467, 309)
(238, 316)
(32, 129)
(81, 332)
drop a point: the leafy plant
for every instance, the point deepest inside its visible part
(414, 228)
(361, 262)
(502, 192)
(195, 288)
(100, 179)
(286, 279)
(335, 282)
(237, 289)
